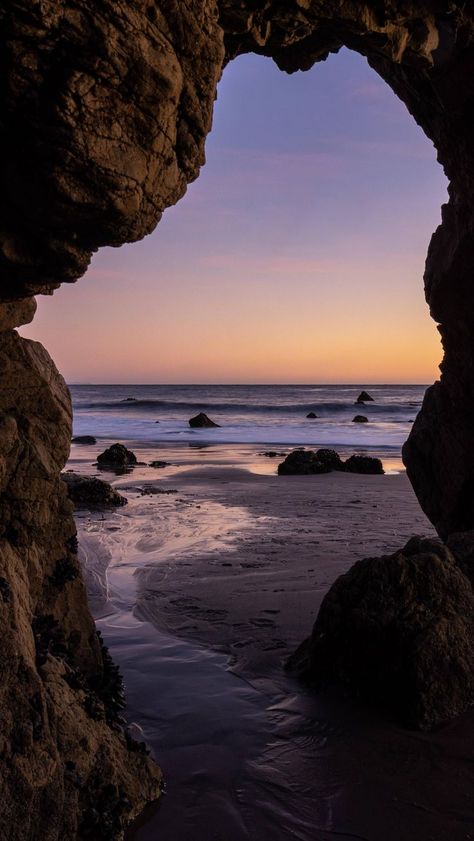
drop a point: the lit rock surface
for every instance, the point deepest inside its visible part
(63, 752)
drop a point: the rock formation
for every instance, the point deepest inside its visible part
(360, 419)
(303, 462)
(104, 113)
(363, 464)
(84, 439)
(116, 456)
(311, 415)
(364, 397)
(67, 769)
(90, 492)
(201, 421)
(398, 630)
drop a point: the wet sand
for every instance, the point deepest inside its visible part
(201, 595)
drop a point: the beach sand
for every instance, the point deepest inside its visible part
(201, 594)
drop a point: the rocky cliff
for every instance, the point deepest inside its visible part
(67, 769)
(105, 108)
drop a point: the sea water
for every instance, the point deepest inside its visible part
(249, 414)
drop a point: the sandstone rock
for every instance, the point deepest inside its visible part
(64, 759)
(302, 463)
(364, 397)
(84, 439)
(90, 492)
(398, 630)
(201, 420)
(15, 313)
(360, 419)
(363, 464)
(117, 456)
(311, 415)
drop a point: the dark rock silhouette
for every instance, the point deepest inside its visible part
(272, 454)
(84, 439)
(331, 459)
(201, 420)
(311, 415)
(360, 419)
(364, 397)
(159, 464)
(92, 492)
(398, 630)
(363, 464)
(302, 463)
(117, 456)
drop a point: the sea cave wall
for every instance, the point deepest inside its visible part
(105, 109)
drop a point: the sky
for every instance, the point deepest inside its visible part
(296, 257)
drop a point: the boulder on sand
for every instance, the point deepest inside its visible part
(91, 492)
(116, 456)
(399, 631)
(364, 397)
(302, 463)
(360, 419)
(201, 420)
(331, 459)
(311, 415)
(363, 464)
(83, 439)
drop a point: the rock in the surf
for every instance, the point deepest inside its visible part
(116, 456)
(398, 630)
(88, 491)
(302, 463)
(84, 439)
(311, 415)
(201, 420)
(360, 419)
(364, 397)
(159, 464)
(363, 464)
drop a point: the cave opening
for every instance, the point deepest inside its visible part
(87, 167)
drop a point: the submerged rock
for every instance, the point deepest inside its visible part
(84, 439)
(302, 463)
(364, 397)
(311, 415)
(159, 464)
(92, 492)
(201, 420)
(398, 630)
(117, 456)
(363, 464)
(360, 419)
(272, 454)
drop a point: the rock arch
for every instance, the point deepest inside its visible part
(105, 111)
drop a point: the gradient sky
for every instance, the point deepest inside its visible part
(297, 256)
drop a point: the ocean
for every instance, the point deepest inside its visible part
(249, 414)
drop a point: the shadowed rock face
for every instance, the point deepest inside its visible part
(105, 108)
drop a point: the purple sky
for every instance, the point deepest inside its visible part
(297, 256)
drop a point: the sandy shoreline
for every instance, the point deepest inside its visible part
(237, 563)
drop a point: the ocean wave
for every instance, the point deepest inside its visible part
(156, 405)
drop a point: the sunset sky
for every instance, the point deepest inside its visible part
(297, 256)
